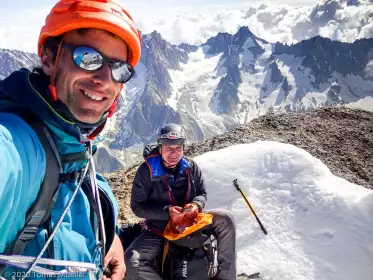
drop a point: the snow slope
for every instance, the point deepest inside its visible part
(319, 226)
(363, 104)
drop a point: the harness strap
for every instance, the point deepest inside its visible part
(40, 210)
(74, 157)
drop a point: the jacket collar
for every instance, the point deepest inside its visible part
(29, 90)
(158, 172)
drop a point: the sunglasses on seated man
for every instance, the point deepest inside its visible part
(90, 59)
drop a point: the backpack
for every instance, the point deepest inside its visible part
(149, 150)
(39, 213)
(190, 258)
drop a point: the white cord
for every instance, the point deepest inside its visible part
(58, 224)
(97, 196)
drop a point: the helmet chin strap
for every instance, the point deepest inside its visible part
(52, 87)
(113, 107)
(97, 131)
(115, 103)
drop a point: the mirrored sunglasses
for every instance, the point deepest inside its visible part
(89, 59)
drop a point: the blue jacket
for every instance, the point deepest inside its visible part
(22, 169)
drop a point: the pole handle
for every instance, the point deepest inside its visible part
(236, 184)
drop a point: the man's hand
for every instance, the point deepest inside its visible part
(177, 218)
(191, 210)
(175, 212)
(115, 259)
(181, 218)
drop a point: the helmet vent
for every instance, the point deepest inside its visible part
(66, 7)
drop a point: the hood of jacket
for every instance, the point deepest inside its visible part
(29, 90)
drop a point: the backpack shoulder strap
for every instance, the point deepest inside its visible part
(41, 208)
(150, 149)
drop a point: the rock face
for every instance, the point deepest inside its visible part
(105, 161)
(11, 60)
(150, 110)
(324, 56)
(341, 138)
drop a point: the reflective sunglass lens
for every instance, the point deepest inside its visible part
(122, 72)
(87, 58)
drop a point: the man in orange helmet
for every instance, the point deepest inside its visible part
(62, 217)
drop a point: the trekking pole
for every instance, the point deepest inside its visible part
(251, 208)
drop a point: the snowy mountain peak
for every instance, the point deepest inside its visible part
(224, 42)
(11, 60)
(188, 48)
(219, 43)
(324, 56)
(239, 57)
(149, 91)
(243, 34)
(155, 35)
(228, 81)
(155, 49)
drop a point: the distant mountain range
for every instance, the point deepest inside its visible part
(225, 82)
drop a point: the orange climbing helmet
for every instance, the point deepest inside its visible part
(69, 15)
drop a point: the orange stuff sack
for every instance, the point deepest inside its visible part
(202, 220)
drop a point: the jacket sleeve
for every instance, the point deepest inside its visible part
(201, 194)
(140, 204)
(22, 169)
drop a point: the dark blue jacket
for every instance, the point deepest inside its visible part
(154, 190)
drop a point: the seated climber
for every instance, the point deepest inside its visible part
(165, 185)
